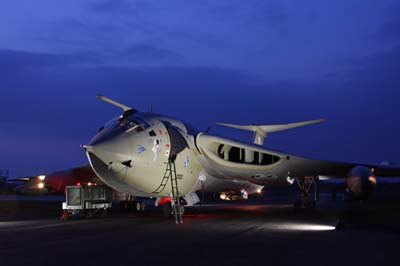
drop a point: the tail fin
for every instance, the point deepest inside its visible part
(261, 131)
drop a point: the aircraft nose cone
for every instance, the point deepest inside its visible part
(115, 150)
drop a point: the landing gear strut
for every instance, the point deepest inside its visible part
(306, 184)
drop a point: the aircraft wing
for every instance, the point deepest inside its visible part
(54, 182)
(82, 170)
(21, 179)
(341, 169)
(226, 158)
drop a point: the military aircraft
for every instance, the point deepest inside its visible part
(50, 183)
(151, 155)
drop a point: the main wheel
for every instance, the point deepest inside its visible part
(138, 206)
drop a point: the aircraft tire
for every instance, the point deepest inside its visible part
(138, 206)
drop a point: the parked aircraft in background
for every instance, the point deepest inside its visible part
(52, 183)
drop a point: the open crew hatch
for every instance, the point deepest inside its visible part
(178, 142)
(245, 156)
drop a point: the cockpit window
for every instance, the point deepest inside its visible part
(112, 123)
(140, 120)
(152, 133)
(127, 122)
(130, 125)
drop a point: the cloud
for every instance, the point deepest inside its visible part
(43, 82)
(48, 101)
(389, 31)
(271, 13)
(24, 59)
(379, 70)
(107, 6)
(54, 99)
(77, 34)
(388, 27)
(144, 51)
(33, 153)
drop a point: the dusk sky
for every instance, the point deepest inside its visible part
(204, 62)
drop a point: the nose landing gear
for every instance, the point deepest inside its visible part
(133, 204)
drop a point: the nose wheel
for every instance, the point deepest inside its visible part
(133, 204)
(140, 206)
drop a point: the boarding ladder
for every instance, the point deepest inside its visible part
(175, 202)
(165, 179)
(170, 174)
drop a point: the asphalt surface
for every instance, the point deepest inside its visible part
(217, 234)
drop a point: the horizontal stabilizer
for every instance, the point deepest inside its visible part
(261, 131)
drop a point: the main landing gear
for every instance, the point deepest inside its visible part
(308, 186)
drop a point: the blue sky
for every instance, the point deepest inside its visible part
(204, 62)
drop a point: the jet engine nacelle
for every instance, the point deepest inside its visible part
(361, 182)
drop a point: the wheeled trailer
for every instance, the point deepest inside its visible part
(86, 201)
